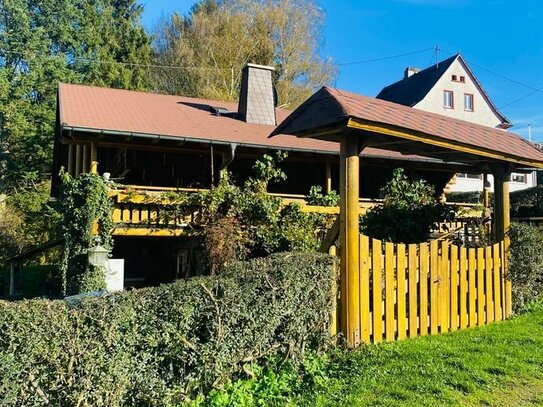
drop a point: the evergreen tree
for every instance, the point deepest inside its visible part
(44, 42)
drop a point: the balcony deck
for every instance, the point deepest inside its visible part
(145, 211)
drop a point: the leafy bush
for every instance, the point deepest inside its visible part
(473, 197)
(409, 213)
(527, 202)
(160, 346)
(526, 264)
(316, 197)
(245, 221)
(26, 220)
(84, 202)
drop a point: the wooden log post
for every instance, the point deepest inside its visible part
(328, 177)
(93, 158)
(502, 224)
(78, 152)
(71, 159)
(349, 238)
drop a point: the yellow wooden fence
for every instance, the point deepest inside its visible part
(428, 288)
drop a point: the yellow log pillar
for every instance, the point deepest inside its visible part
(93, 158)
(328, 177)
(349, 236)
(502, 224)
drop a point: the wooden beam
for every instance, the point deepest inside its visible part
(152, 232)
(71, 159)
(85, 159)
(77, 160)
(429, 139)
(502, 224)
(349, 235)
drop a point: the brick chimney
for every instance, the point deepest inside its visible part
(256, 96)
(410, 71)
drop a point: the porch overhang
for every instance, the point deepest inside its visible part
(331, 113)
(358, 122)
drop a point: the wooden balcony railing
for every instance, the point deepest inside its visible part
(151, 211)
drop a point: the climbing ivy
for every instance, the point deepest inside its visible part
(86, 207)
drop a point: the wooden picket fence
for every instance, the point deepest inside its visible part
(420, 289)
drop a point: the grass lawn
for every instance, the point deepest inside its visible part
(496, 365)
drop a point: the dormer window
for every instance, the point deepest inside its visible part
(448, 99)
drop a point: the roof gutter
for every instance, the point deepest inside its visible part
(159, 137)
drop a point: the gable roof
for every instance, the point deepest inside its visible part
(121, 112)
(410, 91)
(331, 112)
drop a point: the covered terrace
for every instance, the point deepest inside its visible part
(359, 123)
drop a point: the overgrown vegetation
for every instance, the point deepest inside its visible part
(495, 365)
(527, 202)
(410, 211)
(85, 205)
(26, 220)
(158, 346)
(244, 221)
(526, 264)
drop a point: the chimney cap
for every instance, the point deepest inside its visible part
(266, 67)
(410, 71)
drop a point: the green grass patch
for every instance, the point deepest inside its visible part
(497, 365)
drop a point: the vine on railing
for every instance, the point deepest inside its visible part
(86, 207)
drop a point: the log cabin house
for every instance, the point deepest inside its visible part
(150, 143)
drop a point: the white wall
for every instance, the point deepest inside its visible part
(433, 101)
(481, 114)
(471, 184)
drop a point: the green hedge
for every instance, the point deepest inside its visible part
(527, 202)
(158, 346)
(526, 264)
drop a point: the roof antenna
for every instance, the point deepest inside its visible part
(437, 57)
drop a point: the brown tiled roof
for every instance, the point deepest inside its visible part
(114, 110)
(332, 107)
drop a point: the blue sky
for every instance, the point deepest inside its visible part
(499, 38)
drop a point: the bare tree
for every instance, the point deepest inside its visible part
(216, 39)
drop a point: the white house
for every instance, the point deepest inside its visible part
(450, 88)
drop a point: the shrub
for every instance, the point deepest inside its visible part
(84, 202)
(409, 213)
(527, 202)
(525, 264)
(160, 346)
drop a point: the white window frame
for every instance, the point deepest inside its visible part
(448, 99)
(468, 107)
